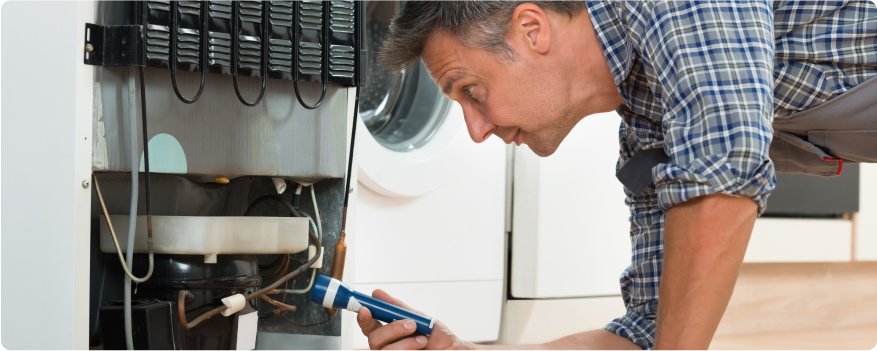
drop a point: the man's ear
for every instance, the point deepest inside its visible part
(530, 26)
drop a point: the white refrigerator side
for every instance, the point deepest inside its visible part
(46, 157)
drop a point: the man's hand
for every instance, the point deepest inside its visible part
(399, 335)
(704, 243)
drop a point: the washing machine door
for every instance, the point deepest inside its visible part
(416, 136)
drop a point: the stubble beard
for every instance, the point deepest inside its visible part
(545, 145)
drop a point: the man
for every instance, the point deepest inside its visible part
(698, 86)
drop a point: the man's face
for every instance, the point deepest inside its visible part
(520, 101)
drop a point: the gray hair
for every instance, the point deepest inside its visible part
(477, 24)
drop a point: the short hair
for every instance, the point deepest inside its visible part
(477, 24)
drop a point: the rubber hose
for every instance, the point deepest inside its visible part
(132, 219)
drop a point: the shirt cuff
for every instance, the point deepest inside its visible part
(714, 174)
(637, 328)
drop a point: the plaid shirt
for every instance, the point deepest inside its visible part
(704, 81)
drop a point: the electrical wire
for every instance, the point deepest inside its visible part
(308, 325)
(181, 297)
(318, 228)
(273, 313)
(350, 159)
(173, 59)
(272, 264)
(349, 168)
(279, 272)
(279, 259)
(128, 273)
(305, 290)
(320, 235)
(234, 56)
(317, 212)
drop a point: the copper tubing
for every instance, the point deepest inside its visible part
(279, 272)
(278, 303)
(274, 313)
(181, 300)
(181, 311)
(271, 265)
(103, 206)
(292, 274)
(338, 259)
(338, 264)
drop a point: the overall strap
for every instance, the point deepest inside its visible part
(636, 174)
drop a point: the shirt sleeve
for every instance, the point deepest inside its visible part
(712, 66)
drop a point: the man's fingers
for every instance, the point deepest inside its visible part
(366, 322)
(383, 336)
(384, 296)
(415, 343)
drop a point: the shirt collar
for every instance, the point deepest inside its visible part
(612, 36)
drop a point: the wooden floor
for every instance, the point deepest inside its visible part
(851, 338)
(801, 306)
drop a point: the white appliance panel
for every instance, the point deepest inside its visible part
(800, 240)
(46, 140)
(570, 233)
(540, 321)
(471, 310)
(454, 233)
(866, 226)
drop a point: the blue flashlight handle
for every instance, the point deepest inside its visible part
(389, 313)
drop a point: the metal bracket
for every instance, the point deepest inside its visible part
(113, 45)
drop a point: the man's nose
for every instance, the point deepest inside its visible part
(480, 128)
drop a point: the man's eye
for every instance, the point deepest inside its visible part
(469, 90)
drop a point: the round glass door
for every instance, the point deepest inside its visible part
(402, 110)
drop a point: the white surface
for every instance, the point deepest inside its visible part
(312, 250)
(866, 219)
(471, 310)
(248, 325)
(800, 240)
(570, 233)
(349, 328)
(277, 341)
(211, 258)
(234, 303)
(279, 184)
(331, 290)
(454, 233)
(419, 171)
(539, 321)
(190, 235)
(46, 154)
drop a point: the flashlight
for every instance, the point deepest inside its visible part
(332, 293)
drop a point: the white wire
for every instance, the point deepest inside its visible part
(319, 231)
(317, 212)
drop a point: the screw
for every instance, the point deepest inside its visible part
(89, 48)
(350, 190)
(85, 184)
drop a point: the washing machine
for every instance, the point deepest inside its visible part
(430, 202)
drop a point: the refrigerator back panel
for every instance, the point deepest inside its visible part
(217, 135)
(310, 43)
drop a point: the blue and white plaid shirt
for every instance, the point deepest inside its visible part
(704, 81)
